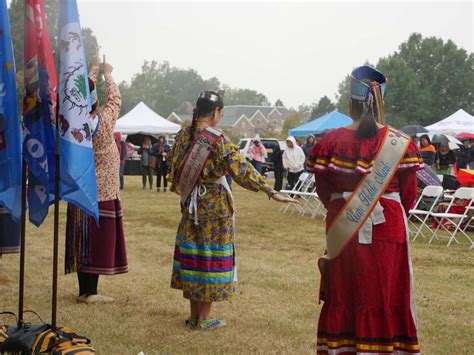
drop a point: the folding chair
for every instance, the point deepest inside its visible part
(306, 194)
(317, 206)
(319, 209)
(454, 219)
(421, 215)
(470, 224)
(310, 199)
(302, 185)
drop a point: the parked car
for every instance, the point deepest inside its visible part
(269, 143)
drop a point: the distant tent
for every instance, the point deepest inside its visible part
(143, 120)
(458, 122)
(329, 121)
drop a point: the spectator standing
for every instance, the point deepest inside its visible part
(146, 162)
(160, 151)
(427, 150)
(258, 153)
(293, 161)
(445, 159)
(310, 141)
(277, 159)
(122, 149)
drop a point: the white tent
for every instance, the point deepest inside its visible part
(458, 122)
(142, 119)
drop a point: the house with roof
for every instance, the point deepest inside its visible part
(247, 120)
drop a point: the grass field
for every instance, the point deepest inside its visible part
(275, 308)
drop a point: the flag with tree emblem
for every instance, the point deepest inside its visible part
(77, 172)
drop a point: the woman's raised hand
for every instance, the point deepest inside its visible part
(107, 68)
(95, 61)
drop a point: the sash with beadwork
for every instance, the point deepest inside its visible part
(194, 161)
(363, 200)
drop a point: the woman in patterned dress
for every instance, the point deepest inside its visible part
(91, 249)
(204, 258)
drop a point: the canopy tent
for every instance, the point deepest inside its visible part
(458, 122)
(141, 119)
(328, 121)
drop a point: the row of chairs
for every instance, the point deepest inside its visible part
(453, 224)
(420, 216)
(305, 191)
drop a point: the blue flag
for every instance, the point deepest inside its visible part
(10, 129)
(77, 172)
(39, 111)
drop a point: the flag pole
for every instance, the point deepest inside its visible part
(21, 293)
(56, 223)
(54, 304)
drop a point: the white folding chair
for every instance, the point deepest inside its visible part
(319, 209)
(454, 219)
(470, 223)
(310, 201)
(301, 186)
(421, 215)
(306, 194)
(316, 204)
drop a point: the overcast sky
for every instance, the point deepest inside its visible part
(297, 52)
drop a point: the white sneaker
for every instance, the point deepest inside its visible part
(98, 299)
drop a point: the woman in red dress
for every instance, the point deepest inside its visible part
(368, 289)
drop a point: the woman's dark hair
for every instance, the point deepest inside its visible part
(160, 138)
(425, 136)
(206, 105)
(368, 126)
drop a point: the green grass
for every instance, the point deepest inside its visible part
(275, 308)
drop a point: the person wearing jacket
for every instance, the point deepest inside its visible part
(310, 142)
(160, 151)
(277, 159)
(122, 149)
(258, 153)
(146, 162)
(293, 161)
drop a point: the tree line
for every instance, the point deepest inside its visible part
(428, 79)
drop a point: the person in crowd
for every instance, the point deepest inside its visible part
(463, 157)
(9, 233)
(130, 148)
(122, 149)
(277, 159)
(99, 249)
(366, 282)
(310, 141)
(298, 143)
(160, 151)
(147, 162)
(258, 154)
(427, 150)
(293, 161)
(445, 159)
(204, 259)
